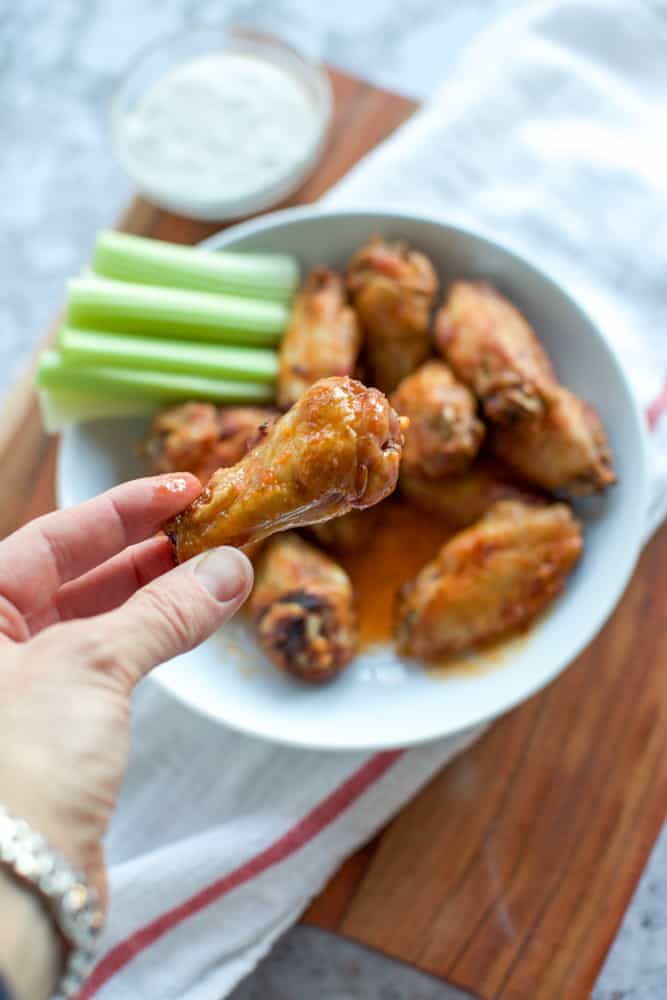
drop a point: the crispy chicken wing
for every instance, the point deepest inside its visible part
(494, 350)
(463, 499)
(303, 609)
(444, 434)
(489, 580)
(347, 533)
(393, 289)
(338, 448)
(565, 449)
(323, 337)
(200, 437)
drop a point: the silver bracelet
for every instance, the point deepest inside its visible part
(73, 902)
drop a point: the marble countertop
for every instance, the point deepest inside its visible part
(59, 65)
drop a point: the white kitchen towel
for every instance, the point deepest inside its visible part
(549, 137)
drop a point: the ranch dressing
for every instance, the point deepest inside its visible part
(222, 125)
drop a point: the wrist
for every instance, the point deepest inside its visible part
(32, 952)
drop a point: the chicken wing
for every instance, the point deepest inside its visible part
(489, 580)
(338, 448)
(463, 499)
(323, 337)
(347, 533)
(302, 607)
(200, 437)
(444, 434)
(393, 289)
(494, 350)
(566, 449)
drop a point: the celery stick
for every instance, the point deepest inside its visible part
(125, 383)
(93, 349)
(59, 408)
(101, 304)
(153, 262)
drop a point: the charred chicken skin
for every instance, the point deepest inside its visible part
(200, 437)
(489, 580)
(494, 350)
(302, 607)
(444, 434)
(323, 337)
(338, 448)
(393, 289)
(565, 449)
(463, 499)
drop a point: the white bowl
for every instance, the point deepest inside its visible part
(382, 701)
(167, 54)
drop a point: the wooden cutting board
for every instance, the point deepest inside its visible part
(509, 874)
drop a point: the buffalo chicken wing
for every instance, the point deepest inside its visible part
(302, 607)
(200, 437)
(393, 289)
(494, 350)
(565, 449)
(489, 580)
(337, 449)
(323, 337)
(444, 434)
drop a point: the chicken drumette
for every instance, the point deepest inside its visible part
(337, 449)
(323, 337)
(393, 289)
(200, 437)
(494, 350)
(444, 434)
(302, 607)
(489, 580)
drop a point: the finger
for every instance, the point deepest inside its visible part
(162, 620)
(109, 585)
(39, 558)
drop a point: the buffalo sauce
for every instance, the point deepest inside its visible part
(401, 543)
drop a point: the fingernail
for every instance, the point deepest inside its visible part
(223, 572)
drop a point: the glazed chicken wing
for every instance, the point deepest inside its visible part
(323, 337)
(200, 437)
(566, 449)
(494, 350)
(393, 289)
(302, 607)
(337, 449)
(347, 533)
(444, 434)
(489, 580)
(463, 499)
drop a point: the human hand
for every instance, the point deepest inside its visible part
(89, 603)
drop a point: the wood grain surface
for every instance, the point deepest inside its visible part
(510, 872)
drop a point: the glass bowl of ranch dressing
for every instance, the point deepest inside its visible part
(220, 122)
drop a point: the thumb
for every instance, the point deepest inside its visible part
(173, 613)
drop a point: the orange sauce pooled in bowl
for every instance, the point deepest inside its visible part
(400, 544)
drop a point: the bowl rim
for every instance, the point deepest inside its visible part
(634, 539)
(305, 212)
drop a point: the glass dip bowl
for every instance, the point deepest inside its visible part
(219, 123)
